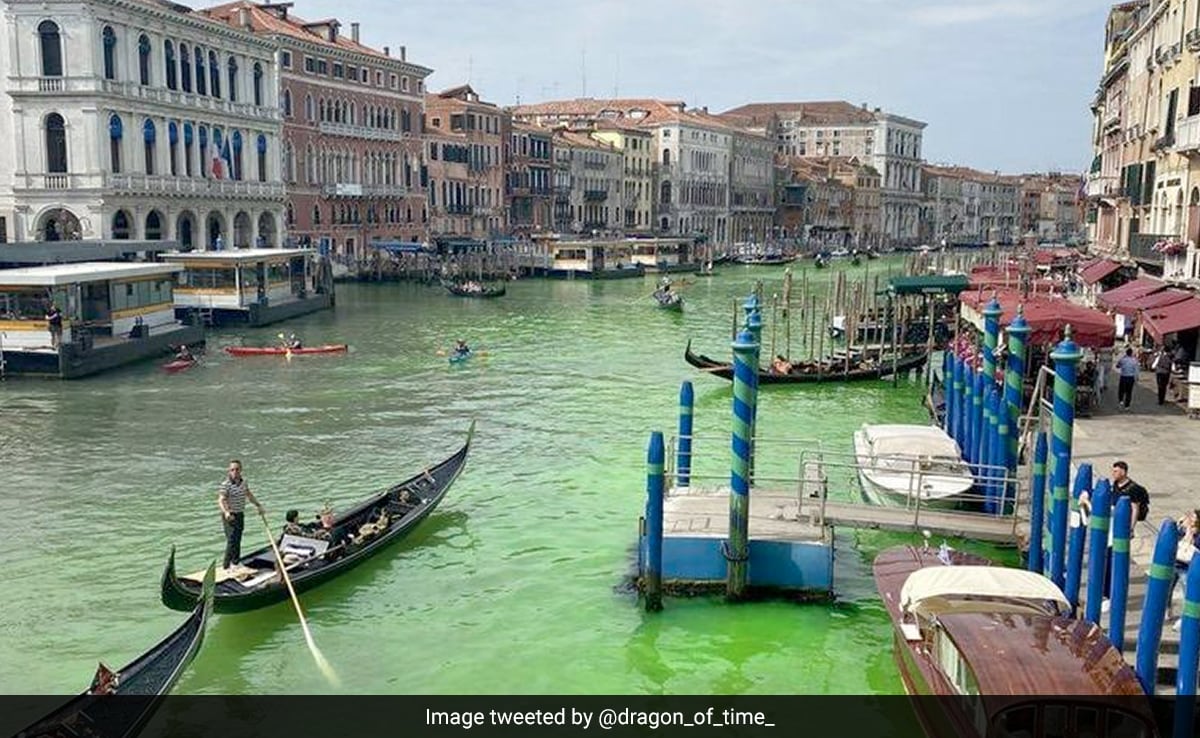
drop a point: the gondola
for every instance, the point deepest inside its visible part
(461, 290)
(337, 348)
(142, 683)
(668, 300)
(355, 536)
(809, 374)
(773, 260)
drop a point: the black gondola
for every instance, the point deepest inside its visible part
(354, 537)
(119, 704)
(474, 289)
(668, 300)
(809, 374)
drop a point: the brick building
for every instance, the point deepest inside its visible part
(475, 130)
(530, 179)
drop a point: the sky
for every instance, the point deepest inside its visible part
(1003, 84)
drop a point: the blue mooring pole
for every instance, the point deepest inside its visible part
(1014, 398)
(1097, 557)
(683, 462)
(1189, 651)
(956, 391)
(1059, 508)
(1078, 535)
(1162, 573)
(967, 379)
(1118, 596)
(1037, 506)
(745, 398)
(655, 489)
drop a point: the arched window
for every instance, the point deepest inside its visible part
(201, 81)
(235, 165)
(258, 89)
(666, 190)
(169, 61)
(185, 68)
(287, 103)
(144, 59)
(233, 70)
(291, 215)
(261, 145)
(149, 134)
(666, 157)
(214, 74)
(316, 215)
(203, 134)
(52, 65)
(173, 143)
(115, 131)
(109, 38)
(321, 110)
(308, 107)
(120, 226)
(153, 226)
(187, 149)
(56, 144)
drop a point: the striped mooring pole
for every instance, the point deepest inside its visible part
(1014, 397)
(683, 462)
(655, 489)
(745, 390)
(991, 337)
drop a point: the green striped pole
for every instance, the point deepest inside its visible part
(1014, 396)
(1066, 358)
(745, 389)
(991, 338)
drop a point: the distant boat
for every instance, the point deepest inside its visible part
(900, 464)
(668, 300)
(474, 289)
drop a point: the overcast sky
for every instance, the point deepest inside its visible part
(1003, 84)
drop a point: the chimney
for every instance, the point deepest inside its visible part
(387, 51)
(244, 17)
(403, 53)
(354, 32)
(864, 106)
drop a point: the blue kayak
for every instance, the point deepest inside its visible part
(459, 357)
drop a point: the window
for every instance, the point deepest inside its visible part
(56, 144)
(153, 229)
(185, 68)
(169, 62)
(285, 59)
(392, 81)
(310, 65)
(339, 71)
(115, 131)
(233, 85)
(187, 149)
(287, 103)
(52, 65)
(235, 165)
(214, 74)
(120, 226)
(201, 81)
(308, 108)
(144, 59)
(173, 144)
(261, 146)
(109, 36)
(404, 84)
(322, 67)
(316, 215)
(352, 73)
(378, 79)
(149, 135)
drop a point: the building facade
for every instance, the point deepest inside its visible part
(636, 145)
(352, 151)
(966, 206)
(480, 128)
(529, 182)
(589, 184)
(135, 120)
(751, 186)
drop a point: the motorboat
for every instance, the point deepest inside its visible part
(899, 465)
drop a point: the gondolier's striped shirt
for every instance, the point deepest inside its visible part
(235, 495)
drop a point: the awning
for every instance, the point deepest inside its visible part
(398, 247)
(1153, 301)
(1181, 316)
(934, 284)
(1047, 316)
(1129, 291)
(1098, 270)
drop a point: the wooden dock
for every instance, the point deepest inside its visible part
(784, 516)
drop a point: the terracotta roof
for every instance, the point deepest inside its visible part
(574, 139)
(642, 112)
(831, 112)
(264, 21)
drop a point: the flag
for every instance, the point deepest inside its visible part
(227, 155)
(218, 170)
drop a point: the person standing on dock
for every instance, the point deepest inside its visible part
(231, 498)
(1162, 373)
(54, 322)
(1127, 368)
(1137, 494)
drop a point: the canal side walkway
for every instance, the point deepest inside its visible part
(1158, 443)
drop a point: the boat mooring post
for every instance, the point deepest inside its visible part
(999, 450)
(1059, 481)
(991, 337)
(683, 462)
(1189, 647)
(754, 324)
(1078, 534)
(1066, 358)
(956, 391)
(745, 391)
(655, 489)
(1037, 505)
(1119, 572)
(1014, 398)
(1158, 591)
(987, 457)
(1097, 558)
(978, 424)
(966, 413)
(947, 393)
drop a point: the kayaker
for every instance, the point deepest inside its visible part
(461, 348)
(294, 343)
(184, 354)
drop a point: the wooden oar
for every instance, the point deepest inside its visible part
(322, 664)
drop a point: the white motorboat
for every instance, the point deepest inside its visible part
(901, 464)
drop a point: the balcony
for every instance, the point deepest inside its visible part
(1112, 120)
(58, 181)
(68, 85)
(1187, 136)
(1193, 39)
(370, 134)
(164, 185)
(595, 195)
(481, 210)
(343, 189)
(164, 96)
(1100, 185)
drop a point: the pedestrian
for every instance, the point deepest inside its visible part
(1139, 498)
(231, 498)
(1161, 365)
(1104, 357)
(54, 322)
(1127, 369)
(1188, 528)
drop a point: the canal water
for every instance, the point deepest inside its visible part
(512, 586)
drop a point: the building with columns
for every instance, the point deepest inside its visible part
(134, 119)
(353, 157)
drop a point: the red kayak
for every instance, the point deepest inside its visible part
(278, 351)
(179, 365)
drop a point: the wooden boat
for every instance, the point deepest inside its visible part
(1002, 642)
(179, 365)
(142, 683)
(767, 260)
(280, 351)
(355, 536)
(474, 289)
(668, 300)
(901, 464)
(829, 371)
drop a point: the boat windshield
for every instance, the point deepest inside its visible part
(1058, 719)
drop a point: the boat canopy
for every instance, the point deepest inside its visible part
(941, 590)
(910, 440)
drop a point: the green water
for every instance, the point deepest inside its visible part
(510, 587)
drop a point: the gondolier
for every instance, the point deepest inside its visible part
(231, 498)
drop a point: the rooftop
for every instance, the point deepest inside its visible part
(87, 271)
(239, 255)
